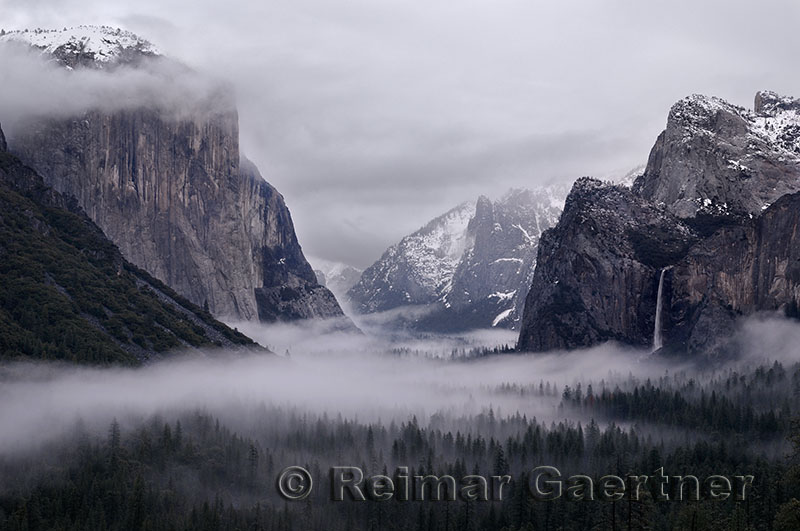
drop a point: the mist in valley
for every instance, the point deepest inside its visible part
(356, 376)
(221, 425)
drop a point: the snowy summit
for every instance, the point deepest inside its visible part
(93, 46)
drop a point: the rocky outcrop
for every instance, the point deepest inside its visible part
(492, 279)
(597, 273)
(715, 211)
(175, 198)
(171, 190)
(717, 158)
(472, 266)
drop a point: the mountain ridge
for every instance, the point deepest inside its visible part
(469, 266)
(85, 45)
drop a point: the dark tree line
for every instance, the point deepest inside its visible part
(194, 471)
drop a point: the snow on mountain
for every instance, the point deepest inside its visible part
(622, 176)
(96, 46)
(690, 250)
(630, 177)
(776, 118)
(335, 276)
(494, 275)
(775, 121)
(472, 265)
(419, 269)
(717, 158)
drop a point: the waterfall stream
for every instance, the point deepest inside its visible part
(658, 340)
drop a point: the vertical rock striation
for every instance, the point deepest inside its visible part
(168, 186)
(173, 195)
(493, 276)
(597, 273)
(67, 293)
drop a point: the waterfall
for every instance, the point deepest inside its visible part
(658, 340)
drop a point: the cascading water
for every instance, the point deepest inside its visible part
(658, 340)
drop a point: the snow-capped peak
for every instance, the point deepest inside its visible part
(434, 250)
(699, 110)
(336, 276)
(85, 45)
(775, 119)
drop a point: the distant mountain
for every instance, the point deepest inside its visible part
(706, 235)
(67, 293)
(472, 265)
(629, 178)
(171, 188)
(336, 276)
(419, 269)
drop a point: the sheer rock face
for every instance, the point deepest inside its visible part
(741, 269)
(165, 182)
(716, 207)
(597, 273)
(172, 194)
(492, 279)
(56, 248)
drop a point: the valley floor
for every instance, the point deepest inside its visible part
(201, 443)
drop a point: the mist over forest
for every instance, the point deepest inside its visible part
(195, 425)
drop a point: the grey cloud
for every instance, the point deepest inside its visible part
(372, 117)
(34, 87)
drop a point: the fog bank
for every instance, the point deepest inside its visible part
(34, 87)
(357, 376)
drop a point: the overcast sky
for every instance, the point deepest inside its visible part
(371, 117)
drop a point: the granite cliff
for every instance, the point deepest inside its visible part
(67, 293)
(172, 190)
(713, 220)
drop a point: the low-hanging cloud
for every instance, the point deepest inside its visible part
(41, 403)
(34, 87)
(373, 117)
(337, 373)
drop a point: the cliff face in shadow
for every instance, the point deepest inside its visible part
(739, 270)
(598, 269)
(715, 210)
